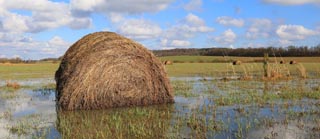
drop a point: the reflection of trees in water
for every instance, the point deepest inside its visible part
(137, 122)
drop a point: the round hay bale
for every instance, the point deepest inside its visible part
(293, 62)
(237, 62)
(282, 62)
(105, 70)
(167, 62)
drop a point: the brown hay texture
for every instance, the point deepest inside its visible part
(167, 62)
(237, 62)
(13, 85)
(105, 70)
(293, 62)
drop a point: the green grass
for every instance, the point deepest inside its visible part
(225, 69)
(215, 59)
(27, 71)
(47, 70)
(183, 88)
(196, 59)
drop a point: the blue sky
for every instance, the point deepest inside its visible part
(43, 28)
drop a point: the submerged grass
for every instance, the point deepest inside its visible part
(183, 88)
(26, 125)
(138, 122)
(214, 108)
(233, 110)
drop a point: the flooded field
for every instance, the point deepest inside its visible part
(206, 107)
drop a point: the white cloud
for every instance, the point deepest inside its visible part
(187, 28)
(56, 46)
(229, 21)
(85, 7)
(164, 42)
(292, 2)
(3, 56)
(16, 56)
(294, 32)
(17, 43)
(254, 44)
(285, 42)
(80, 23)
(180, 43)
(318, 28)
(115, 17)
(259, 28)
(14, 22)
(44, 15)
(193, 20)
(227, 37)
(139, 29)
(193, 5)
(167, 48)
(57, 41)
(13, 37)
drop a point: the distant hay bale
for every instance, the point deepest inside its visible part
(7, 63)
(237, 62)
(105, 70)
(13, 85)
(282, 62)
(293, 62)
(167, 62)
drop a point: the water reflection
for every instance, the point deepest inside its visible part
(245, 113)
(26, 113)
(291, 129)
(137, 122)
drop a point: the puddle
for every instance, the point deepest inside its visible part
(215, 109)
(30, 82)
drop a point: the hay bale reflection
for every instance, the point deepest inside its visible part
(138, 122)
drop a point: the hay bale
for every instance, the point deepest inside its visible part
(293, 62)
(167, 62)
(282, 62)
(104, 70)
(237, 62)
(14, 85)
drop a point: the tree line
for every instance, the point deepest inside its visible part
(290, 51)
(19, 60)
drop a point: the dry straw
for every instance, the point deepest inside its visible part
(237, 62)
(167, 62)
(104, 70)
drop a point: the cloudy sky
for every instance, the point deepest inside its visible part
(35, 29)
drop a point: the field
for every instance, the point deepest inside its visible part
(217, 59)
(214, 99)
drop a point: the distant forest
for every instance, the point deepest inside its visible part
(290, 51)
